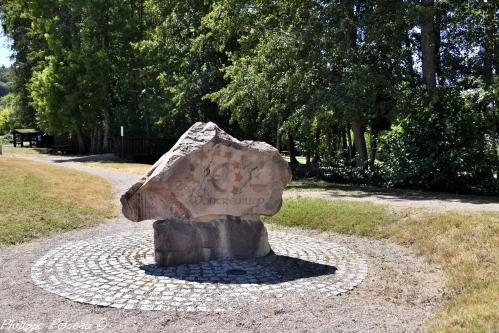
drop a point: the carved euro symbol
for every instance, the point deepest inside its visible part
(222, 171)
(216, 178)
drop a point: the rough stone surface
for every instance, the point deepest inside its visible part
(179, 241)
(207, 175)
(208, 193)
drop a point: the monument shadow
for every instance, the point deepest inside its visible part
(271, 269)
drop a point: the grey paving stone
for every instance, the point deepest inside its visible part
(119, 271)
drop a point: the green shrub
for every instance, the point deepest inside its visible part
(5, 139)
(447, 144)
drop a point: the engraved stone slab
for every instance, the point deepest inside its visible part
(208, 175)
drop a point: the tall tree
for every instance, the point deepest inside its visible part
(29, 47)
(430, 41)
(308, 73)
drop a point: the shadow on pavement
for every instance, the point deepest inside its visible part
(271, 269)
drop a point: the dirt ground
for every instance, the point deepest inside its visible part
(400, 294)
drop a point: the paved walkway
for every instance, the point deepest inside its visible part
(119, 271)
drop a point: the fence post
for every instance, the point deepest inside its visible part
(121, 130)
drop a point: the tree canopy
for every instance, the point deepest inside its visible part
(388, 92)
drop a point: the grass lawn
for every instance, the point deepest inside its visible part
(9, 149)
(300, 159)
(116, 163)
(309, 184)
(37, 199)
(123, 166)
(465, 244)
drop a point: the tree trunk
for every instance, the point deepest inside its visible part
(92, 142)
(438, 68)
(490, 59)
(105, 136)
(316, 159)
(490, 40)
(350, 146)
(360, 143)
(329, 142)
(410, 62)
(102, 145)
(350, 30)
(98, 140)
(81, 143)
(357, 127)
(429, 44)
(344, 141)
(292, 150)
(374, 147)
(277, 137)
(316, 156)
(95, 140)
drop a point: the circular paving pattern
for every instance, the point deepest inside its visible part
(119, 271)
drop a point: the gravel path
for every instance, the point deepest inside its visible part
(400, 293)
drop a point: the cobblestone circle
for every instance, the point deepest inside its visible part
(119, 271)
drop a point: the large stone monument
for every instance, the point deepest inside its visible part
(207, 194)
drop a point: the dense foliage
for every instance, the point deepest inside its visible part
(5, 78)
(7, 100)
(397, 93)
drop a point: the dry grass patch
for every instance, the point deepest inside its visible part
(115, 164)
(122, 166)
(37, 199)
(9, 149)
(465, 244)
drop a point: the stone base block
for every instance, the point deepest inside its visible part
(178, 241)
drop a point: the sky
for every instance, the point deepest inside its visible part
(5, 51)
